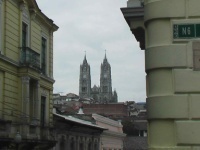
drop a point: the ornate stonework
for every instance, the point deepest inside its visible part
(26, 79)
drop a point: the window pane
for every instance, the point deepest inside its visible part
(24, 34)
(43, 55)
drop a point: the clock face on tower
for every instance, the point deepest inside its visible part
(105, 75)
(84, 76)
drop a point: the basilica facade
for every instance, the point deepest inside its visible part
(102, 93)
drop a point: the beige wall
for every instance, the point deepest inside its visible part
(172, 67)
(173, 87)
(113, 137)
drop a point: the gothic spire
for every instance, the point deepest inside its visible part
(105, 58)
(85, 60)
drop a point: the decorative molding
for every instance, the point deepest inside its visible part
(44, 92)
(38, 85)
(22, 6)
(33, 13)
(9, 60)
(47, 79)
(25, 79)
(26, 19)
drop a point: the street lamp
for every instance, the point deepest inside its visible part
(17, 139)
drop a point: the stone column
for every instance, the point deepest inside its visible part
(25, 96)
(25, 105)
(37, 101)
(37, 107)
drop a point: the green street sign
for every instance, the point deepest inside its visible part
(186, 31)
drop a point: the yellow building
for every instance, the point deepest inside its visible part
(26, 75)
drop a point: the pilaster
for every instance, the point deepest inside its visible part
(37, 101)
(25, 105)
(25, 95)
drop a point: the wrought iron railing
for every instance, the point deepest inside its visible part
(29, 58)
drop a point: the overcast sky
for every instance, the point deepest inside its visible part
(95, 26)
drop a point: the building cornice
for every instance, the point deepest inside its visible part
(133, 15)
(6, 59)
(47, 78)
(35, 12)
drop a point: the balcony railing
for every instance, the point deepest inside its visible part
(29, 58)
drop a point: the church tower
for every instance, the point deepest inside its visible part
(105, 82)
(85, 80)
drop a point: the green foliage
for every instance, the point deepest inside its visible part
(129, 128)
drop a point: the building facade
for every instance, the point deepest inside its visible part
(87, 132)
(113, 137)
(76, 134)
(168, 31)
(26, 75)
(102, 93)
